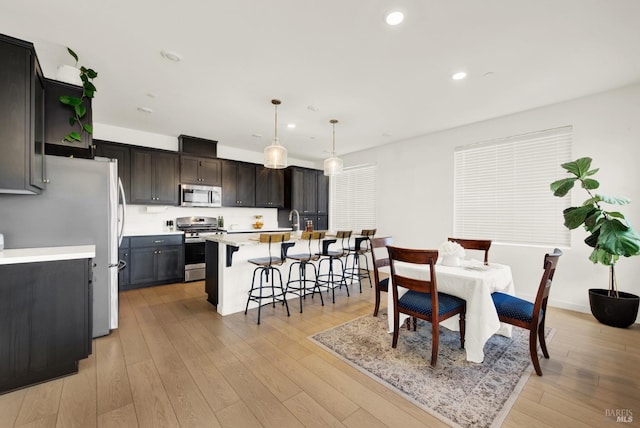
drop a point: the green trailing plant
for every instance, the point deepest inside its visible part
(610, 233)
(76, 104)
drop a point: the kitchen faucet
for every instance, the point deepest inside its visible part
(297, 223)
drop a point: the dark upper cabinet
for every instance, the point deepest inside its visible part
(154, 177)
(306, 190)
(199, 170)
(57, 121)
(22, 164)
(322, 201)
(238, 184)
(120, 152)
(269, 187)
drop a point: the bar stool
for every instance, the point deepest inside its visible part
(333, 279)
(267, 266)
(359, 250)
(303, 286)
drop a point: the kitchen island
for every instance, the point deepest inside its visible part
(229, 274)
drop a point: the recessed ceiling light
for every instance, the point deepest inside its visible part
(459, 75)
(256, 135)
(171, 56)
(394, 17)
(312, 108)
(291, 125)
(145, 109)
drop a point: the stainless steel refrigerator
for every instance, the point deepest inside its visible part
(83, 204)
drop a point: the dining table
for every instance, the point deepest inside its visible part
(472, 281)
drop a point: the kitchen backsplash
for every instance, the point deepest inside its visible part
(149, 219)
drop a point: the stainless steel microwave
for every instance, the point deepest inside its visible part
(192, 195)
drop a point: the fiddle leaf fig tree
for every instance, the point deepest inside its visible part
(610, 234)
(76, 104)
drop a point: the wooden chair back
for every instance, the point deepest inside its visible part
(550, 264)
(413, 256)
(475, 244)
(380, 258)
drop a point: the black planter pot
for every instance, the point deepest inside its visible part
(614, 311)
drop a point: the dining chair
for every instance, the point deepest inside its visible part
(422, 300)
(531, 316)
(475, 244)
(380, 258)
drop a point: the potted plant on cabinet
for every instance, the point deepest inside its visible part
(76, 104)
(611, 236)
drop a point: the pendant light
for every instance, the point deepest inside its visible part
(275, 155)
(333, 165)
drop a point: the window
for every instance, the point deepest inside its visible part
(353, 199)
(501, 189)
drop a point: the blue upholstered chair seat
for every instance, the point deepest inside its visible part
(513, 307)
(421, 302)
(384, 284)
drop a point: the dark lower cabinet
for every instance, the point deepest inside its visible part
(155, 260)
(320, 222)
(46, 319)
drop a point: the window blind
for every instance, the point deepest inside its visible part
(352, 199)
(502, 193)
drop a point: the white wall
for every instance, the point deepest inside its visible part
(415, 197)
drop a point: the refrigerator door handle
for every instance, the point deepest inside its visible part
(123, 218)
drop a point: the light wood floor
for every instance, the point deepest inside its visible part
(175, 362)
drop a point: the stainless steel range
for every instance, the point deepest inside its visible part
(195, 229)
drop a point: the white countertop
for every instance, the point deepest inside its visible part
(152, 232)
(245, 239)
(263, 230)
(46, 254)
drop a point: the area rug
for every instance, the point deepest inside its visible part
(458, 392)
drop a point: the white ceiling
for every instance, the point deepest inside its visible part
(383, 84)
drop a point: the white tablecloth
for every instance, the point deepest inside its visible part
(474, 283)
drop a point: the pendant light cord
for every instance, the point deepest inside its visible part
(276, 123)
(333, 123)
(276, 103)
